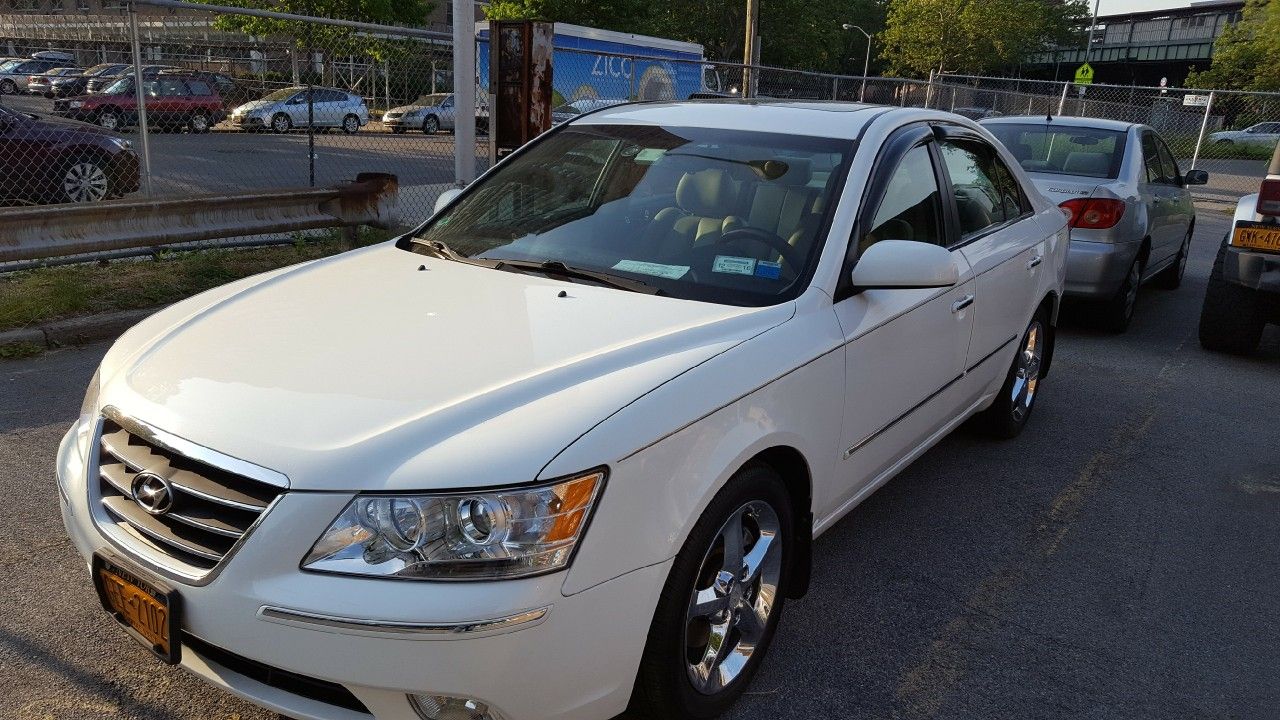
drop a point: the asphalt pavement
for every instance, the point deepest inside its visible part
(1118, 560)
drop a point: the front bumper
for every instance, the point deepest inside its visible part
(247, 122)
(1096, 269)
(1252, 269)
(125, 173)
(577, 661)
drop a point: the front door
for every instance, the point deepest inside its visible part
(905, 348)
(1160, 193)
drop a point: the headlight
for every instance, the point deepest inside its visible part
(77, 104)
(121, 143)
(487, 535)
(89, 411)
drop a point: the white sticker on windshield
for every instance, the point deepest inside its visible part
(734, 265)
(670, 272)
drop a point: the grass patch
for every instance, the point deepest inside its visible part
(36, 296)
(13, 351)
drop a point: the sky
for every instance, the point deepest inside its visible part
(1113, 7)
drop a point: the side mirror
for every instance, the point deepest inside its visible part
(905, 264)
(1195, 177)
(445, 198)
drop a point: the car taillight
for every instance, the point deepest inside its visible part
(1093, 213)
(1269, 197)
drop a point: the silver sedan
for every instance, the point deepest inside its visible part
(1129, 209)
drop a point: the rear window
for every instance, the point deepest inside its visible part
(1087, 152)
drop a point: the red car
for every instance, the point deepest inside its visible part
(45, 160)
(172, 101)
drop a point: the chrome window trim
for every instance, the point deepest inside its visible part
(405, 630)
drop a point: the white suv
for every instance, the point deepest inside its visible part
(564, 448)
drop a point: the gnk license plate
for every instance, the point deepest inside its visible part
(147, 610)
(1257, 236)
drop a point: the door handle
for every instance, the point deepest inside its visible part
(1033, 262)
(962, 303)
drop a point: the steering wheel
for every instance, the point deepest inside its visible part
(788, 252)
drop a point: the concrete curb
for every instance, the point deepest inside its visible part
(78, 330)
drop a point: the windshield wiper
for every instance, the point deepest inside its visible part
(435, 248)
(556, 268)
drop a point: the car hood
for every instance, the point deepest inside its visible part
(46, 123)
(255, 106)
(407, 108)
(384, 369)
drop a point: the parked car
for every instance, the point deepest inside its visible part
(42, 84)
(593, 412)
(1131, 214)
(78, 83)
(104, 81)
(227, 88)
(1243, 295)
(173, 101)
(285, 109)
(569, 111)
(14, 73)
(1264, 133)
(45, 160)
(977, 113)
(431, 114)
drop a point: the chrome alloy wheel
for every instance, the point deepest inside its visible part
(733, 597)
(84, 181)
(1026, 371)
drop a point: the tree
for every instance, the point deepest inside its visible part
(973, 36)
(402, 13)
(1244, 56)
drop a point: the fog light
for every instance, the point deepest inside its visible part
(444, 707)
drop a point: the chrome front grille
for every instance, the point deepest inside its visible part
(210, 509)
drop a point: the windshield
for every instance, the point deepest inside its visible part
(705, 214)
(122, 85)
(10, 64)
(1063, 150)
(99, 69)
(283, 94)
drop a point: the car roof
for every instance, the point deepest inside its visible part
(817, 118)
(1097, 123)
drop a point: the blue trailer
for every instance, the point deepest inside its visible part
(589, 63)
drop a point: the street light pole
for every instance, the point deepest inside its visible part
(866, 64)
(749, 49)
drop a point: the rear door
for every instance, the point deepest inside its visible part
(1182, 209)
(1005, 252)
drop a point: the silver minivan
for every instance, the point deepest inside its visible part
(1126, 198)
(285, 109)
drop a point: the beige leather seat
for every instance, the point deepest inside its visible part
(703, 212)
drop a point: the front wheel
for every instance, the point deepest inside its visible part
(85, 180)
(720, 606)
(431, 125)
(281, 123)
(199, 123)
(350, 124)
(8, 87)
(109, 119)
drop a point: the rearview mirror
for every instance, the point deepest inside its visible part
(1196, 177)
(445, 198)
(905, 264)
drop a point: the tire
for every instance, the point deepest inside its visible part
(1117, 313)
(431, 125)
(84, 180)
(8, 87)
(350, 124)
(1231, 319)
(1171, 277)
(198, 123)
(1008, 415)
(399, 130)
(109, 119)
(680, 650)
(280, 123)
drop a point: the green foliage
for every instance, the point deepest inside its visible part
(1244, 56)
(403, 13)
(973, 36)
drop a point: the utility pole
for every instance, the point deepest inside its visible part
(1088, 48)
(464, 92)
(749, 48)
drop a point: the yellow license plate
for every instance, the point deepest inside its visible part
(1257, 236)
(146, 610)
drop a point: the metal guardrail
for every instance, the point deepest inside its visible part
(36, 233)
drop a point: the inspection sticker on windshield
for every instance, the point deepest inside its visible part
(734, 265)
(770, 270)
(670, 272)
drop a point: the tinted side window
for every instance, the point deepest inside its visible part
(198, 87)
(1151, 159)
(1012, 197)
(1168, 166)
(912, 204)
(972, 168)
(172, 87)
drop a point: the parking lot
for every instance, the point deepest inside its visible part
(1117, 560)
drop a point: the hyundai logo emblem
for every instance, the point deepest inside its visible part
(152, 493)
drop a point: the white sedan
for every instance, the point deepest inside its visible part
(563, 449)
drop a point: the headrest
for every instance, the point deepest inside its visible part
(1087, 163)
(704, 193)
(1022, 151)
(799, 172)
